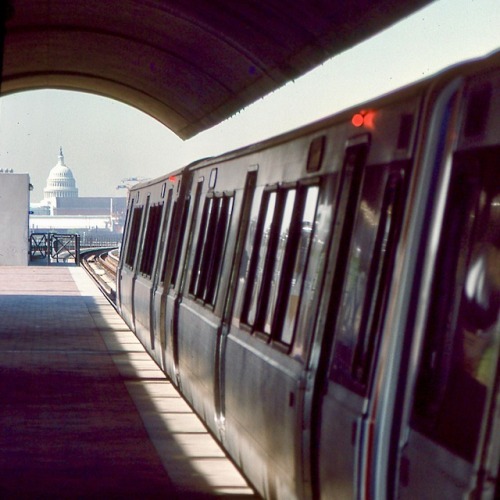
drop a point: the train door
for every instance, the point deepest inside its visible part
(240, 258)
(167, 295)
(206, 277)
(263, 363)
(123, 247)
(140, 247)
(157, 290)
(143, 289)
(370, 206)
(452, 440)
(131, 260)
(166, 194)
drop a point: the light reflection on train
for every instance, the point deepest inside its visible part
(327, 300)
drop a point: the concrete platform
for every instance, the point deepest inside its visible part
(85, 411)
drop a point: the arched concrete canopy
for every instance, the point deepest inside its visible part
(191, 63)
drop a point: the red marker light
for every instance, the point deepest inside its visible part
(357, 120)
(364, 118)
(368, 119)
(172, 178)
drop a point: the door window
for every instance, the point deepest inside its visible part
(151, 240)
(367, 272)
(133, 239)
(460, 351)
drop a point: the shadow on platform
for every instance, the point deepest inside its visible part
(86, 413)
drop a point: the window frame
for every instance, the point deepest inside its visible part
(151, 240)
(134, 236)
(259, 288)
(210, 246)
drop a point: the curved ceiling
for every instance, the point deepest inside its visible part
(190, 64)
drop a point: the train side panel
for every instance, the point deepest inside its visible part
(370, 206)
(139, 274)
(263, 367)
(219, 192)
(146, 268)
(175, 192)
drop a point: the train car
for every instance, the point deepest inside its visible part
(136, 288)
(328, 300)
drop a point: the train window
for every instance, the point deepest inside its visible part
(248, 259)
(275, 274)
(299, 248)
(316, 152)
(166, 232)
(377, 280)
(212, 180)
(133, 239)
(462, 335)
(181, 210)
(213, 229)
(275, 261)
(241, 247)
(180, 238)
(214, 259)
(367, 270)
(151, 240)
(196, 269)
(314, 264)
(261, 242)
(126, 229)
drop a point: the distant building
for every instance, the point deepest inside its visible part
(62, 210)
(60, 183)
(90, 205)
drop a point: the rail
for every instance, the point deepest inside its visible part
(101, 264)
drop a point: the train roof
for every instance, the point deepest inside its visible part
(440, 78)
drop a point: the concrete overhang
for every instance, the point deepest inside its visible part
(189, 64)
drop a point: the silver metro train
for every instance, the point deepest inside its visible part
(328, 300)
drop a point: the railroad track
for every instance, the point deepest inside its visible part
(101, 264)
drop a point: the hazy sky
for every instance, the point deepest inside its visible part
(104, 141)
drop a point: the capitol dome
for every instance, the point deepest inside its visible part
(60, 183)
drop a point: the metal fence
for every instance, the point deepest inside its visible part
(55, 248)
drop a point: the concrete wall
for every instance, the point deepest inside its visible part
(14, 214)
